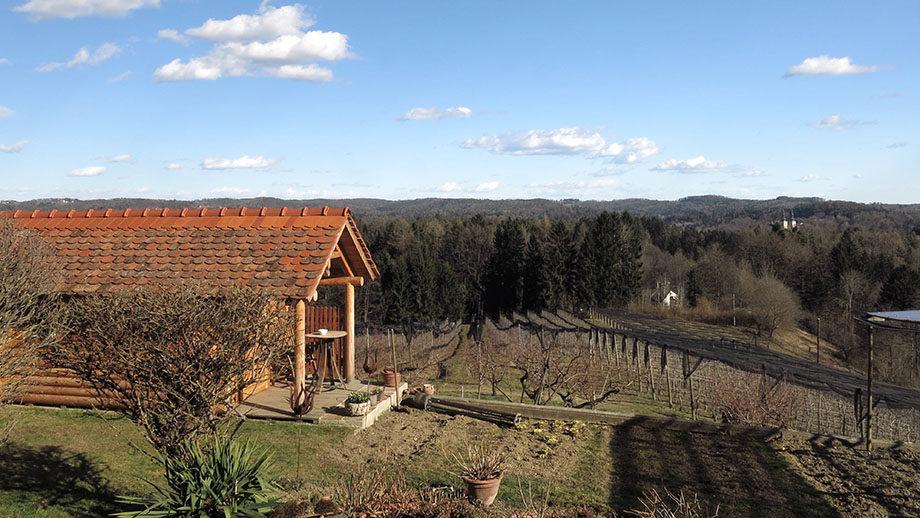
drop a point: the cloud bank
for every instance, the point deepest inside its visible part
(271, 43)
(15, 148)
(825, 65)
(48, 9)
(566, 141)
(420, 114)
(243, 162)
(85, 57)
(837, 123)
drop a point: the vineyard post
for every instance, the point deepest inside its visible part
(648, 369)
(667, 373)
(692, 399)
(635, 359)
(869, 397)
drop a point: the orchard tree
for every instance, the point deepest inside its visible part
(27, 316)
(173, 359)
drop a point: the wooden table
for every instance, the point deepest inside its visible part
(326, 351)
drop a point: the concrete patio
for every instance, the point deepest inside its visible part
(273, 403)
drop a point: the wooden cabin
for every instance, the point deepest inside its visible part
(291, 252)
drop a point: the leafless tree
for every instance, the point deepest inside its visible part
(554, 364)
(27, 282)
(173, 360)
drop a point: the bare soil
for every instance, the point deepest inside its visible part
(607, 468)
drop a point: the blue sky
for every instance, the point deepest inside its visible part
(591, 100)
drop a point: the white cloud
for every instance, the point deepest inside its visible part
(121, 77)
(5, 112)
(613, 170)
(48, 9)
(751, 174)
(836, 122)
(173, 34)
(271, 43)
(812, 178)
(122, 159)
(896, 145)
(486, 187)
(174, 165)
(14, 148)
(243, 162)
(573, 188)
(271, 22)
(692, 165)
(449, 187)
(420, 114)
(84, 57)
(632, 151)
(566, 141)
(95, 170)
(195, 70)
(309, 72)
(231, 191)
(825, 65)
(4, 61)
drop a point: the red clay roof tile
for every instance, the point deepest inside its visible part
(282, 248)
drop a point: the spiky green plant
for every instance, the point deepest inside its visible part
(225, 479)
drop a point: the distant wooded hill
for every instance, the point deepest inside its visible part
(695, 211)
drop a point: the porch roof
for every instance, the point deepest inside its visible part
(287, 251)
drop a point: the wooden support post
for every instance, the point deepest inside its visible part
(350, 329)
(300, 354)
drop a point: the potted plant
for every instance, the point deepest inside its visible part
(358, 403)
(482, 470)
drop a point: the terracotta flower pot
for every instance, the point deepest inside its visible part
(391, 379)
(483, 491)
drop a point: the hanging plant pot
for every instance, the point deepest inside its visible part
(390, 378)
(483, 491)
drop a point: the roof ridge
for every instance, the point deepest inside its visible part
(178, 213)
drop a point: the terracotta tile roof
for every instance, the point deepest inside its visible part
(285, 250)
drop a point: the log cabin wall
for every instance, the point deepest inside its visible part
(60, 387)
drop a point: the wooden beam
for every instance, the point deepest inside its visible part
(342, 258)
(350, 329)
(342, 281)
(300, 355)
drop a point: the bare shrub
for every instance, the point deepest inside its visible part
(27, 325)
(671, 506)
(757, 400)
(373, 488)
(173, 360)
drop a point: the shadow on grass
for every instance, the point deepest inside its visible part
(51, 476)
(740, 473)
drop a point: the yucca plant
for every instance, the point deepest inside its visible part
(225, 479)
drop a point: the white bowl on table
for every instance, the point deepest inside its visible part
(323, 331)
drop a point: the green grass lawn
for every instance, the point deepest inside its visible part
(67, 462)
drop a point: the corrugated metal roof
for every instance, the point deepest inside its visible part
(912, 316)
